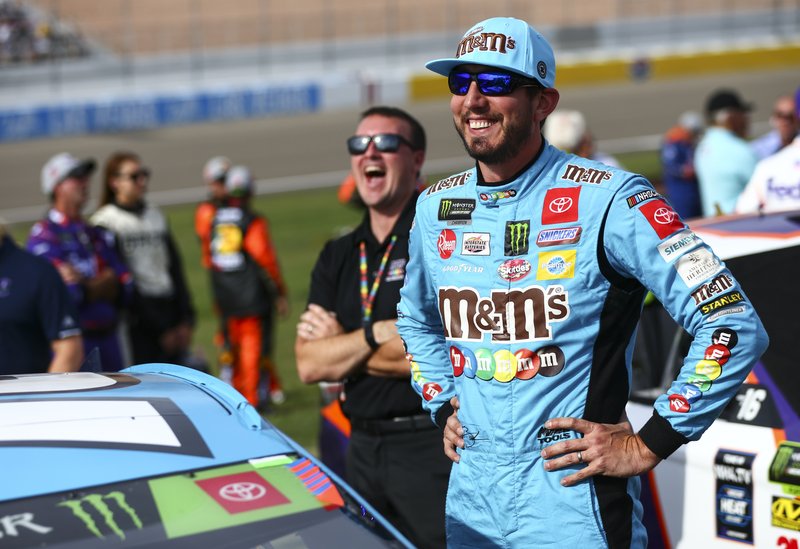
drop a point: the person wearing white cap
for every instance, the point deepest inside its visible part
(523, 289)
(214, 172)
(85, 257)
(248, 287)
(567, 130)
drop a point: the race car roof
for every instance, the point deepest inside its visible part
(66, 431)
(738, 235)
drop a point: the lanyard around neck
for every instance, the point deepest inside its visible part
(367, 299)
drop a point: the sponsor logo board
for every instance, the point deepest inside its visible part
(733, 472)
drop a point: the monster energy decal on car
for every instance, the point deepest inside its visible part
(102, 504)
(517, 237)
(94, 517)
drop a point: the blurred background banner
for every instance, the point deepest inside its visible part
(81, 66)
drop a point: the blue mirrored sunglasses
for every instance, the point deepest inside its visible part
(489, 83)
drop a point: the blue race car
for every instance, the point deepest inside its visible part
(163, 456)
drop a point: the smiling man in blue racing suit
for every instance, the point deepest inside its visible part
(522, 295)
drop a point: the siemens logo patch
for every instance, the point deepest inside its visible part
(677, 244)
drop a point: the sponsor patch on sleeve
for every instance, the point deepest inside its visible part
(677, 244)
(662, 218)
(636, 199)
(723, 301)
(697, 266)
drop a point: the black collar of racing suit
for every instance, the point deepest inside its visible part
(482, 183)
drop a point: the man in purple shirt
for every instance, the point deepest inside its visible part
(85, 257)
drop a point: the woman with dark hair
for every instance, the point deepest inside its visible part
(161, 317)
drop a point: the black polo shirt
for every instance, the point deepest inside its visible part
(335, 285)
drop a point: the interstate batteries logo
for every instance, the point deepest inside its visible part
(475, 244)
(456, 211)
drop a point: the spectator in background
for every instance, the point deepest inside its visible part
(784, 128)
(214, 172)
(677, 161)
(775, 185)
(161, 317)
(723, 160)
(85, 257)
(39, 329)
(567, 130)
(248, 286)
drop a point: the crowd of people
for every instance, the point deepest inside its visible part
(27, 36)
(107, 291)
(717, 170)
(473, 393)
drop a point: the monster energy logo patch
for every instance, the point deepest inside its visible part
(517, 237)
(109, 508)
(456, 211)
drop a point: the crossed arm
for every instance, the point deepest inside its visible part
(325, 352)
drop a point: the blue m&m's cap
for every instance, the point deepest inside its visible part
(505, 43)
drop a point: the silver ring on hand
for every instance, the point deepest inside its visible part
(580, 457)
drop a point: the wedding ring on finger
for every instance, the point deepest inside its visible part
(580, 456)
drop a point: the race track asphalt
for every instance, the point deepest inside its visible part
(308, 151)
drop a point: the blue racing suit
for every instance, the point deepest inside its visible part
(522, 298)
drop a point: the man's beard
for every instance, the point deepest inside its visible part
(511, 143)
